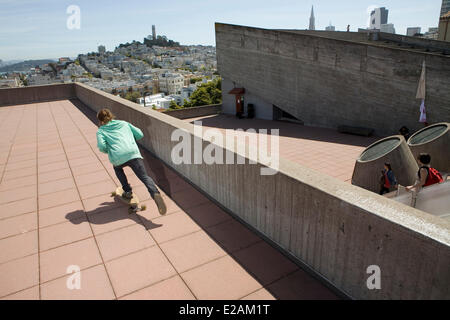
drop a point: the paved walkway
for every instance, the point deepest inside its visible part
(56, 211)
(320, 149)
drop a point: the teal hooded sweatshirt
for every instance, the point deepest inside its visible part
(118, 139)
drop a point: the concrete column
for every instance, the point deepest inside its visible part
(434, 140)
(369, 165)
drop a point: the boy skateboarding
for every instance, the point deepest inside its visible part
(118, 139)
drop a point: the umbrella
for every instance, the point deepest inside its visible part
(421, 92)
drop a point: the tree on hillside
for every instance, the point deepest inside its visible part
(161, 41)
(132, 96)
(23, 79)
(208, 93)
(194, 80)
(200, 97)
(53, 66)
(174, 105)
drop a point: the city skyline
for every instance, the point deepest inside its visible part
(42, 32)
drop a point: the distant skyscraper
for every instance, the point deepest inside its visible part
(387, 28)
(312, 20)
(432, 33)
(378, 17)
(154, 32)
(330, 27)
(445, 7)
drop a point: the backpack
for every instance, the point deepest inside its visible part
(387, 183)
(433, 177)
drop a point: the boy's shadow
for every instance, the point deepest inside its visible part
(109, 212)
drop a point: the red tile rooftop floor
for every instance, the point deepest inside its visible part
(320, 149)
(56, 211)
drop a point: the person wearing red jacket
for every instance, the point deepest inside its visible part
(426, 175)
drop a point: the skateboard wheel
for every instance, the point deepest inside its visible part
(113, 194)
(143, 207)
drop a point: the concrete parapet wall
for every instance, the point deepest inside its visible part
(415, 41)
(336, 229)
(194, 112)
(24, 95)
(332, 82)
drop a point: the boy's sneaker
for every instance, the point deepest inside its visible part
(127, 195)
(160, 204)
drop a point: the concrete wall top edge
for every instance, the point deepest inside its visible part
(40, 86)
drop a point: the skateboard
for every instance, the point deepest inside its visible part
(133, 203)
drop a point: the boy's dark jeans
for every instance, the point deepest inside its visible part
(137, 165)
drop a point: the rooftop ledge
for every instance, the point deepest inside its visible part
(330, 228)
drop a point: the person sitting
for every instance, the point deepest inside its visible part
(388, 180)
(426, 175)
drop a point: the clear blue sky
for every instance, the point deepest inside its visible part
(33, 29)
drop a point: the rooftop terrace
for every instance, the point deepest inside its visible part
(56, 211)
(320, 149)
(230, 233)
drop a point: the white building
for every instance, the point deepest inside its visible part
(387, 28)
(178, 98)
(186, 92)
(378, 17)
(432, 33)
(106, 74)
(9, 83)
(330, 28)
(171, 83)
(160, 101)
(73, 70)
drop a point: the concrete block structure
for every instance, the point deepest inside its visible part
(393, 150)
(434, 140)
(329, 79)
